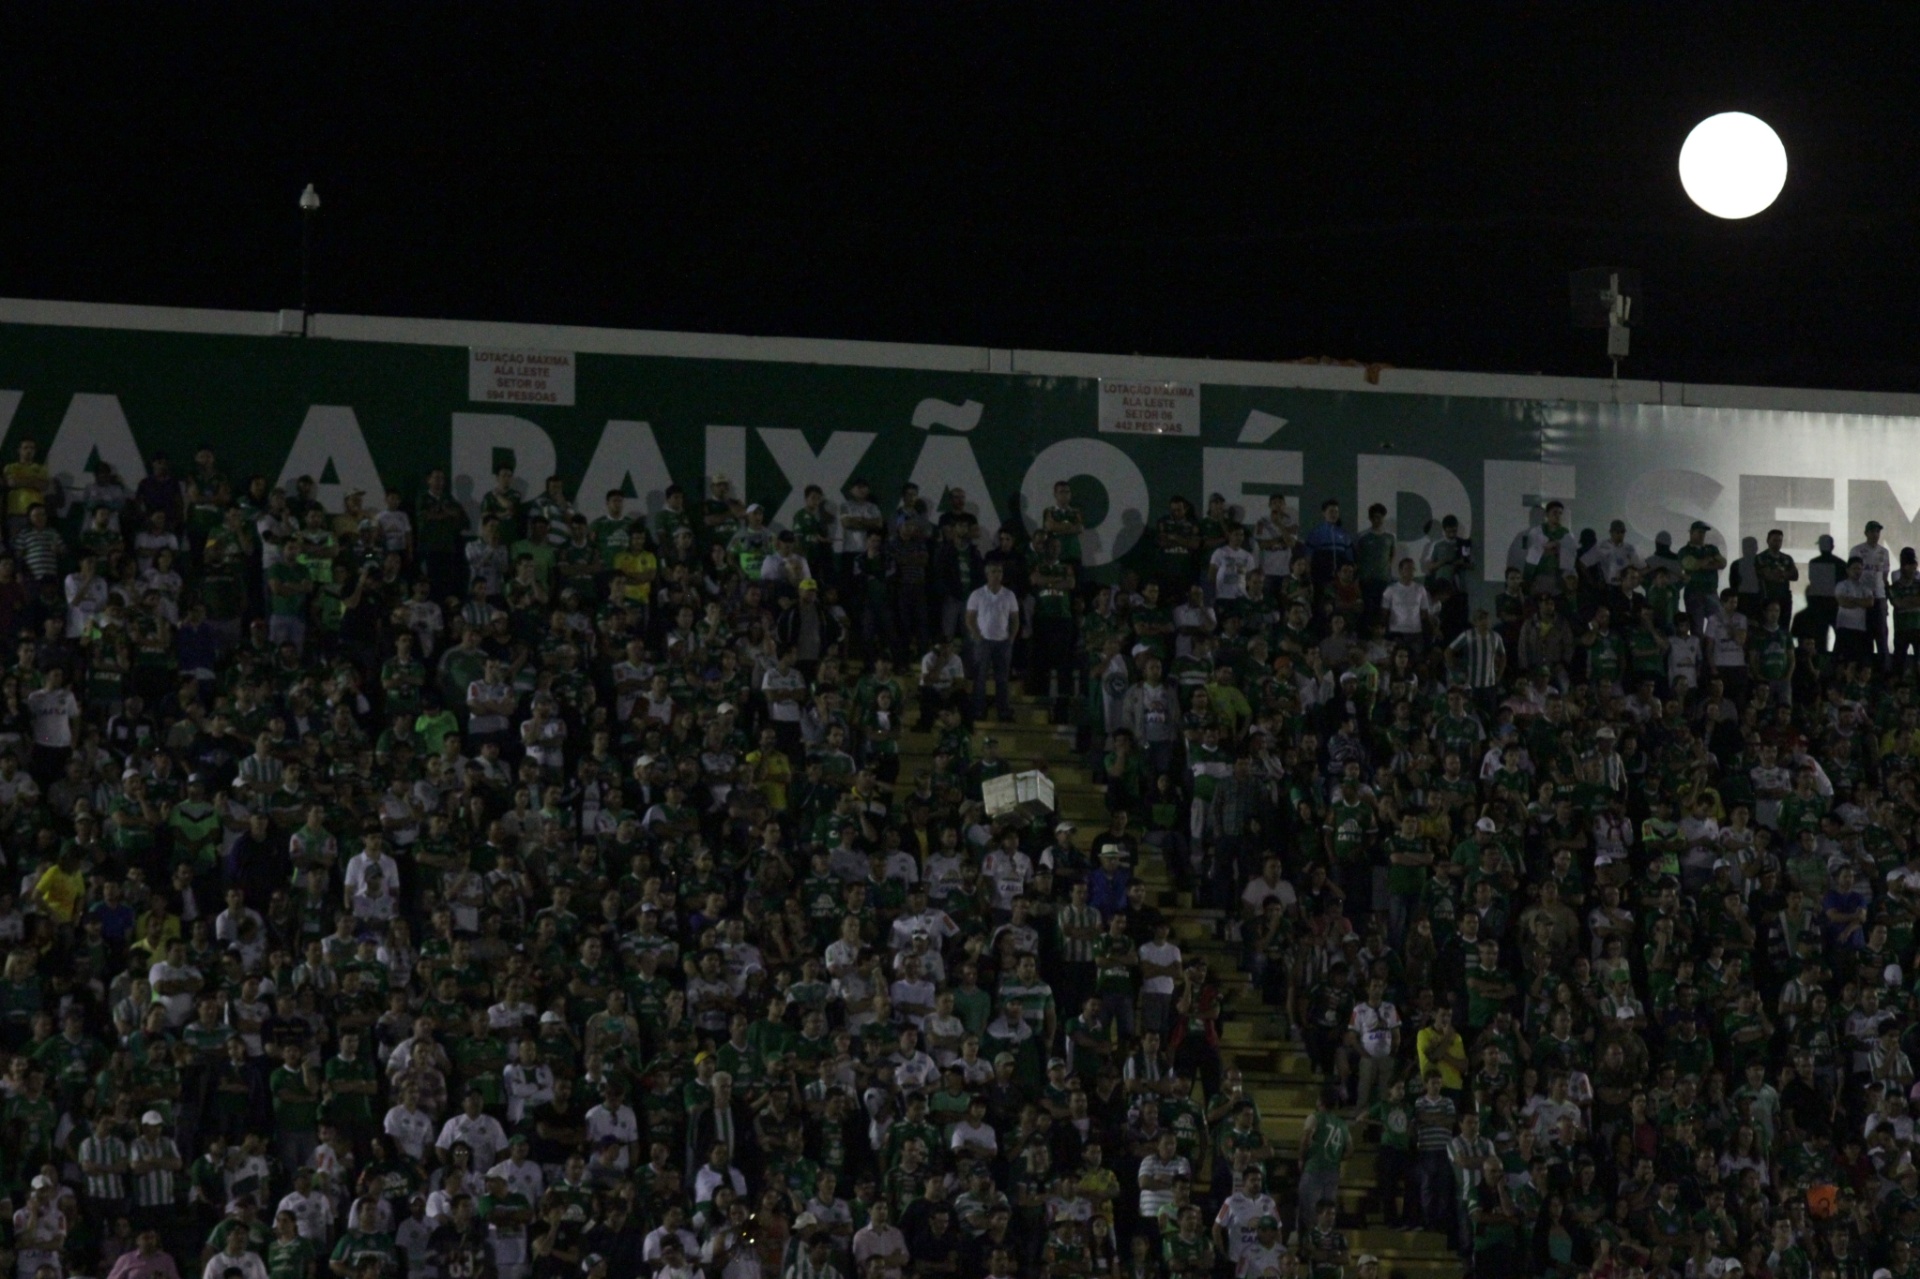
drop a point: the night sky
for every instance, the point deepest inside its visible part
(1404, 184)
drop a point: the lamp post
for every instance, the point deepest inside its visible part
(309, 207)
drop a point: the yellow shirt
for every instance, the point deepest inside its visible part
(776, 773)
(1428, 1044)
(26, 485)
(633, 566)
(62, 893)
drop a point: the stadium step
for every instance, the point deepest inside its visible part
(1255, 1037)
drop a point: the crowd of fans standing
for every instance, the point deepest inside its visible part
(531, 886)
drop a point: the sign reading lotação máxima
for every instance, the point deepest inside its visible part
(502, 376)
(372, 415)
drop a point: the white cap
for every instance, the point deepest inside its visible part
(43, 1182)
(152, 1117)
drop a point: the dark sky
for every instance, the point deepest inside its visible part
(1408, 184)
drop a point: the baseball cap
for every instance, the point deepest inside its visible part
(43, 1182)
(152, 1117)
(588, 1262)
(1487, 824)
(1060, 826)
(1699, 526)
(808, 584)
(1874, 526)
(1367, 1259)
(1269, 1223)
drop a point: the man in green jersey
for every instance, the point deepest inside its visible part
(1325, 1143)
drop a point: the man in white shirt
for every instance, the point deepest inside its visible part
(240, 925)
(490, 701)
(56, 714)
(1557, 1106)
(1275, 535)
(993, 620)
(923, 920)
(1235, 1225)
(482, 1133)
(673, 1226)
(614, 1118)
(716, 1172)
(973, 1135)
(373, 853)
(312, 1213)
(1373, 1037)
(912, 994)
(1159, 969)
(234, 1256)
(859, 516)
(410, 1127)
(521, 1174)
(1854, 598)
(1228, 566)
(175, 984)
(1409, 610)
(785, 689)
(1270, 883)
(1876, 562)
(1725, 634)
(942, 682)
(528, 1082)
(40, 1229)
(1613, 556)
(881, 1239)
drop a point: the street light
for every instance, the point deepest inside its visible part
(309, 207)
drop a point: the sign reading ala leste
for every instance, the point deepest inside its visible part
(1149, 408)
(501, 375)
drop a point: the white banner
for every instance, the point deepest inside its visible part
(498, 375)
(1149, 408)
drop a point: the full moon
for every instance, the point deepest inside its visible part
(1733, 165)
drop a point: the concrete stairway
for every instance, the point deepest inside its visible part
(1254, 1035)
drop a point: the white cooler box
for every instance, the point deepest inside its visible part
(1028, 795)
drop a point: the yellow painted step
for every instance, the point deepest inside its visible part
(1251, 1032)
(1276, 1099)
(1398, 1244)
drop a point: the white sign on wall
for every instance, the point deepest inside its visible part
(500, 375)
(1149, 408)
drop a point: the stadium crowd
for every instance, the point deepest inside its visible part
(531, 886)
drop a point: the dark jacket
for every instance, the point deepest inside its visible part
(786, 627)
(946, 571)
